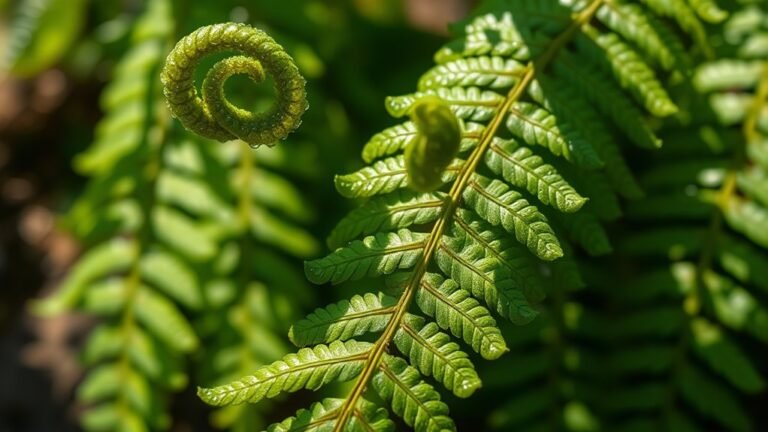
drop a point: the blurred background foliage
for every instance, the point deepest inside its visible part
(75, 76)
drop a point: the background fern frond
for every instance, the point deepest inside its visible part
(701, 306)
(176, 229)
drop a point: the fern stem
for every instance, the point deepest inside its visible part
(467, 170)
(144, 235)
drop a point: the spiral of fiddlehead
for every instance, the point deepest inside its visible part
(210, 114)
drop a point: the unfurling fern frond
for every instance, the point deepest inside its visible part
(696, 309)
(530, 167)
(213, 116)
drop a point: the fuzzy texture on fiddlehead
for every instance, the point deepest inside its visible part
(437, 143)
(212, 115)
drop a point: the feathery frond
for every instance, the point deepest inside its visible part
(483, 242)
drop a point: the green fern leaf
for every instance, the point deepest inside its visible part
(708, 10)
(454, 246)
(453, 309)
(383, 253)
(585, 230)
(536, 125)
(634, 24)
(165, 321)
(309, 368)
(749, 218)
(173, 277)
(41, 34)
(111, 257)
(192, 195)
(469, 103)
(598, 88)
(396, 138)
(468, 227)
(410, 397)
(467, 265)
(182, 234)
(568, 102)
(522, 168)
(734, 306)
(399, 209)
(491, 72)
(389, 141)
(713, 400)
(488, 34)
(727, 74)
(343, 320)
(631, 72)
(686, 18)
(433, 354)
(101, 383)
(725, 357)
(493, 201)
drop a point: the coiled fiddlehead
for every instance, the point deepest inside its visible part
(436, 145)
(212, 115)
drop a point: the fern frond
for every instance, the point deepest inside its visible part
(686, 18)
(469, 103)
(132, 277)
(466, 264)
(633, 23)
(478, 242)
(628, 68)
(491, 72)
(395, 139)
(595, 85)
